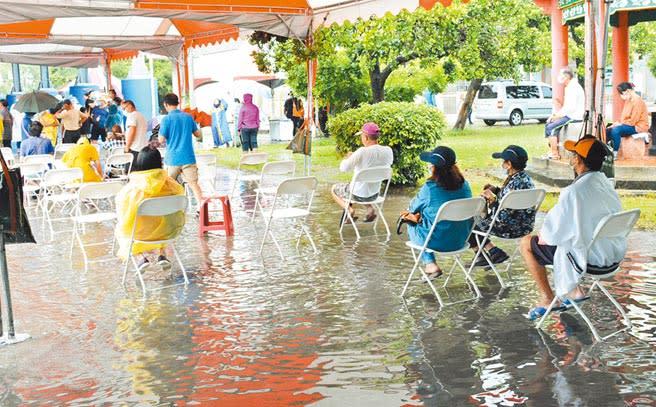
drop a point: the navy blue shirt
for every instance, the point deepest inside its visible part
(178, 128)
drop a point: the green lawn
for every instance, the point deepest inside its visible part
(473, 148)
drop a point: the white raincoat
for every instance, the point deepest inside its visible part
(570, 224)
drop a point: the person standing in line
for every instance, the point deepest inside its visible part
(177, 130)
(7, 123)
(249, 124)
(235, 115)
(136, 135)
(99, 115)
(50, 124)
(70, 119)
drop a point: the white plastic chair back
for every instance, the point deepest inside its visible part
(287, 167)
(116, 150)
(62, 177)
(62, 148)
(253, 159)
(459, 210)
(373, 174)
(32, 170)
(120, 159)
(297, 186)
(522, 199)
(99, 190)
(615, 225)
(39, 158)
(8, 155)
(162, 206)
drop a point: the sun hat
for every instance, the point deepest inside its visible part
(440, 157)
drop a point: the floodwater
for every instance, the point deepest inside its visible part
(325, 329)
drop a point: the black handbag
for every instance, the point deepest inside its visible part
(13, 220)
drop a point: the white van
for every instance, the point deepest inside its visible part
(513, 102)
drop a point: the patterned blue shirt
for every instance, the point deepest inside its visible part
(510, 224)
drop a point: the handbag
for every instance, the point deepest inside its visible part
(411, 219)
(13, 220)
(301, 143)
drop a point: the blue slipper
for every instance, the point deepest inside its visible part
(538, 312)
(567, 304)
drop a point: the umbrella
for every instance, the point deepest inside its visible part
(35, 102)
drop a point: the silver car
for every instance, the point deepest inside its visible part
(513, 102)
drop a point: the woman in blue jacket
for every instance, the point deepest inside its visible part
(446, 183)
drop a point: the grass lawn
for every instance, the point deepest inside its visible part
(473, 148)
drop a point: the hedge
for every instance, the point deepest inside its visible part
(407, 128)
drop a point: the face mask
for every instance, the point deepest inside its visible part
(504, 167)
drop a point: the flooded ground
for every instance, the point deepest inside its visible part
(323, 330)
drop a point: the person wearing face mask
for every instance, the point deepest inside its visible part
(510, 224)
(634, 119)
(446, 183)
(569, 226)
(571, 111)
(220, 129)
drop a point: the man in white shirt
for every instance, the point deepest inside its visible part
(136, 134)
(571, 111)
(71, 120)
(371, 155)
(569, 226)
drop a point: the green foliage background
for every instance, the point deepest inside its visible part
(407, 128)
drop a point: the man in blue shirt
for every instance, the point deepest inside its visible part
(36, 144)
(177, 130)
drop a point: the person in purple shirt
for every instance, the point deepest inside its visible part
(36, 144)
(248, 124)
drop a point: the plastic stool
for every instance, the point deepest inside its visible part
(205, 225)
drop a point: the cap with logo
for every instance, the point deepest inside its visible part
(440, 157)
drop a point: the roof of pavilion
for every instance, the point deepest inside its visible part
(86, 33)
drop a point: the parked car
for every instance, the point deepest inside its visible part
(513, 102)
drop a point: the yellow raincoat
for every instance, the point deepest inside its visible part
(81, 157)
(146, 184)
(50, 125)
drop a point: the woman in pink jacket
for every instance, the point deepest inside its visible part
(248, 124)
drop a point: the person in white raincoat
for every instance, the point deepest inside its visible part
(569, 226)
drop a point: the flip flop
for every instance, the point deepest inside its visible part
(432, 276)
(369, 219)
(567, 304)
(538, 312)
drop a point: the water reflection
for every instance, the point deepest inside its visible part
(322, 330)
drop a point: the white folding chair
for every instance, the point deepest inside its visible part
(161, 206)
(120, 162)
(46, 159)
(206, 164)
(32, 177)
(95, 191)
(292, 201)
(8, 155)
(617, 225)
(56, 191)
(248, 160)
(269, 180)
(372, 175)
(524, 199)
(116, 150)
(455, 211)
(61, 149)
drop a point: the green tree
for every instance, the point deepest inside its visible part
(61, 75)
(499, 39)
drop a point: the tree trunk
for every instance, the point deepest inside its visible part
(465, 108)
(377, 85)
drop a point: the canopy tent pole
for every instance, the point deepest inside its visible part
(190, 78)
(309, 111)
(15, 73)
(108, 71)
(45, 77)
(602, 47)
(589, 67)
(185, 57)
(178, 76)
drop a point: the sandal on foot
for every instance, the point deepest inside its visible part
(432, 276)
(538, 312)
(370, 218)
(567, 304)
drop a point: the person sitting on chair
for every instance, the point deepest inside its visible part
(370, 155)
(36, 144)
(446, 183)
(569, 227)
(634, 119)
(510, 224)
(85, 157)
(571, 111)
(147, 180)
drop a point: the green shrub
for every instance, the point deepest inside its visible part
(399, 93)
(407, 128)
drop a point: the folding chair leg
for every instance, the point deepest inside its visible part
(549, 308)
(468, 276)
(184, 271)
(305, 230)
(257, 204)
(138, 273)
(618, 307)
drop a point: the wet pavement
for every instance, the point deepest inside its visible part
(324, 330)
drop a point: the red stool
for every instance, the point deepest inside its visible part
(226, 224)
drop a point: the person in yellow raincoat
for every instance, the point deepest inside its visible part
(50, 125)
(147, 180)
(86, 157)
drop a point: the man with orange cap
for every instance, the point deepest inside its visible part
(569, 227)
